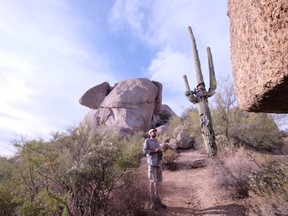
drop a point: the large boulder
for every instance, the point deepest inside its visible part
(95, 96)
(181, 138)
(131, 105)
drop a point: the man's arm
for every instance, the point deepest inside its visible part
(148, 150)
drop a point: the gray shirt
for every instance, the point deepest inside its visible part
(153, 159)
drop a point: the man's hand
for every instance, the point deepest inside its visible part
(156, 150)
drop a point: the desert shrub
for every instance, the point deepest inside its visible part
(29, 209)
(7, 201)
(71, 174)
(223, 144)
(259, 131)
(191, 121)
(40, 186)
(256, 130)
(7, 192)
(104, 170)
(225, 113)
(131, 151)
(174, 122)
(168, 159)
(233, 170)
(271, 178)
(94, 182)
(269, 186)
(132, 196)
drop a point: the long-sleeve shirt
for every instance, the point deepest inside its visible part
(153, 158)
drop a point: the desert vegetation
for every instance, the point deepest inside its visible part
(76, 174)
(249, 144)
(73, 175)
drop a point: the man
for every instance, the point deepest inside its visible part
(153, 152)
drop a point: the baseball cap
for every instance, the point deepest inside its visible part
(153, 129)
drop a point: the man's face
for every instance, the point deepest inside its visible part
(153, 134)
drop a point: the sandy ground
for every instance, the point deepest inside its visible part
(194, 191)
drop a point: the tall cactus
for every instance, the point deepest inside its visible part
(200, 96)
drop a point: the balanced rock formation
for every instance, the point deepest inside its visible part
(259, 54)
(131, 105)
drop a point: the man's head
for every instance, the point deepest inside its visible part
(152, 132)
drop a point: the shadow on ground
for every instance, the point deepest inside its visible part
(228, 210)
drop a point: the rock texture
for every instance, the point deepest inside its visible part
(259, 54)
(131, 105)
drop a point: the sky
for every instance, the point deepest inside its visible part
(53, 51)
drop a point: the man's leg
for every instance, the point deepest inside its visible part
(156, 188)
(155, 177)
(152, 175)
(152, 188)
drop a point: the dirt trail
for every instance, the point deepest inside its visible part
(194, 191)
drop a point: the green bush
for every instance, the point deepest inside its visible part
(191, 121)
(256, 130)
(260, 132)
(29, 209)
(7, 202)
(131, 151)
(72, 173)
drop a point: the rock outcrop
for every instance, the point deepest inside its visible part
(131, 105)
(259, 54)
(95, 96)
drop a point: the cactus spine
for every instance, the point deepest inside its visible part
(200, 96)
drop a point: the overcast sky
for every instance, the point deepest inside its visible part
(53, 51)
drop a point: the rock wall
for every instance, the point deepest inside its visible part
(259, 54)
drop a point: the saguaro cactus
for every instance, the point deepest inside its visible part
(200, 96)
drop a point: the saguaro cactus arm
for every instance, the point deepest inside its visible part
(213, 82)
(189, 94)
(199, 75)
